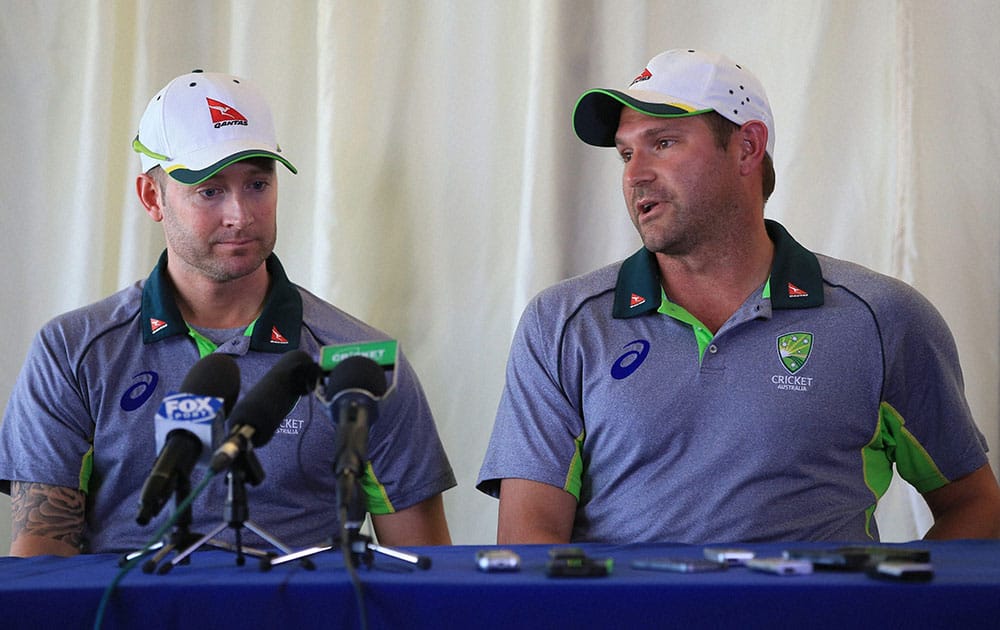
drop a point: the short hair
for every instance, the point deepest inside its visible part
(159, 177)
(723, 128)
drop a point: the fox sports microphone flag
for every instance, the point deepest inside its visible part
(189, 426)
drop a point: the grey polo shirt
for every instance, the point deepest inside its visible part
(783, 425)
(81, 415)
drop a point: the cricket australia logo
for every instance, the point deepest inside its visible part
(794, 349)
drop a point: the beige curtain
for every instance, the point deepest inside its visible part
(440, 182)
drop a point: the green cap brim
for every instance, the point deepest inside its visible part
(191, 178)
(596, 115)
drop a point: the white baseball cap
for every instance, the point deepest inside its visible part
(677, 83)
(202, 122)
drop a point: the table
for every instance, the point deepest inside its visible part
(213, 592)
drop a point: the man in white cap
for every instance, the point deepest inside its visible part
(724, 384)
(77, 440)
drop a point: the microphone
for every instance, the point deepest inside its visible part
(257, 415)
(188, 426)
(353, 389)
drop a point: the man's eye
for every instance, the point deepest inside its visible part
(664, 143)
(625, 156)
(210, 193)
(260, 185)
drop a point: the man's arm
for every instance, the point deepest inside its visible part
(417, 525)
(46, 520)
(968, 507)
(532, 512)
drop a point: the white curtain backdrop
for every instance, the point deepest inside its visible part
(440, 183)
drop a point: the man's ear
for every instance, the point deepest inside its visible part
(150, 196)
(753, 144)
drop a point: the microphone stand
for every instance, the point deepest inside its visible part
(358, 548)
(245, 468)
(351, 418)
(181, 537)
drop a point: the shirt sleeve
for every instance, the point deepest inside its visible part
(935, 438)
(408, 463)
(538, 431)
(47, 430)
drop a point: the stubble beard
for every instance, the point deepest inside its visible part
(226, 268)
(671, 233)
(686, 226)
(201, 257)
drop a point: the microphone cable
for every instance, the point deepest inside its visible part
(352, 572)
(137, 556)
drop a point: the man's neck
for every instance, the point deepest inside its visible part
(714, 282)
(211, 304)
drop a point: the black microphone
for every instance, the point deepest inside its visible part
(353, 389)
(188, 426)
(257, 415)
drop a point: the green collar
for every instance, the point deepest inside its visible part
(277, 329)
(795, 282)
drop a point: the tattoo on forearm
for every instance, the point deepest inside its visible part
(40, 509)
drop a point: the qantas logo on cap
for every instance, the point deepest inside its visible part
(156, 325)
(795, 292)
(223, 115)
(645, 76)
(636, 300)
(277, 337)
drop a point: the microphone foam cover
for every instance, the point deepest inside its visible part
(215, 375)
(267, 403)
(356, 372)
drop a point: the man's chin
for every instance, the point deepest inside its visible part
(658, 244)
(234, 269)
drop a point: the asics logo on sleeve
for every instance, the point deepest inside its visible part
(136, 395)
(629, 362)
